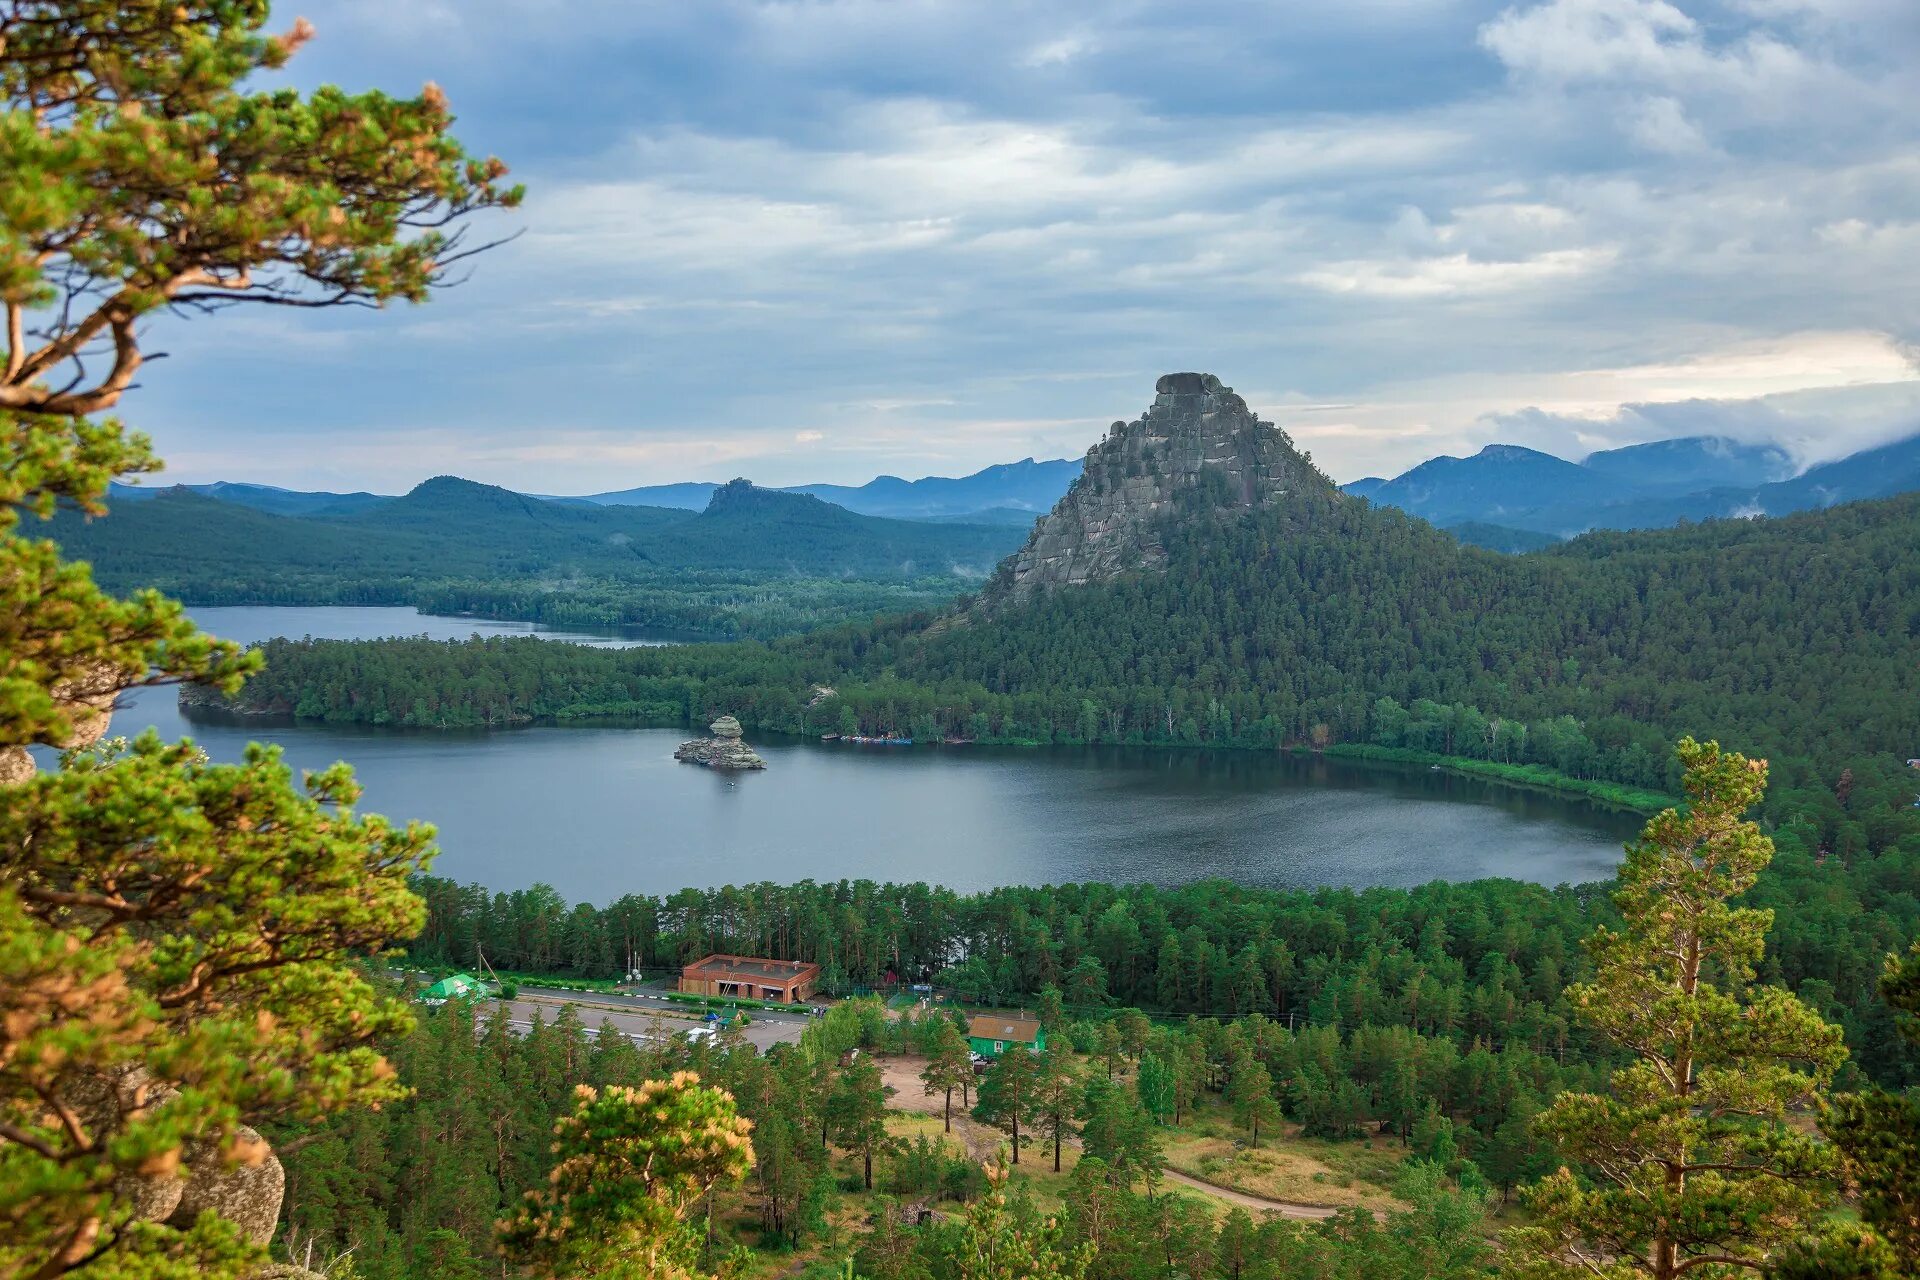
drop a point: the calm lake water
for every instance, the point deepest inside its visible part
(601, 811)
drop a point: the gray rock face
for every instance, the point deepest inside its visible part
(723, 750)
(245, 1192)
(1109, 522)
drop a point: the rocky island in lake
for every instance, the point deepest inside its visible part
(723, 750)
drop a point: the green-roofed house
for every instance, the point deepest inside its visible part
(455, 986)
(992, 1034)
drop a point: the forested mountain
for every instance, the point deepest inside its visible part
(261, 497)
(1692, 463)
(1025, 485)
(756, 562)
(1203, 583)
(752, 528)
(1265, 608)
(1495, 537)
(1502, 484)
(449, 507)
(1644, 486)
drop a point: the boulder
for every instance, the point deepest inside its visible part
(723, 750)
(246, 1191)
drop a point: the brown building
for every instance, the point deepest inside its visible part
(782, 981)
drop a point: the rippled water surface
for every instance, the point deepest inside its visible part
(601, 811)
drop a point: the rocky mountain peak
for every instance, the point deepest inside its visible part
(1198, 440)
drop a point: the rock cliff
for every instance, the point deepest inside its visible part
(1197, 441)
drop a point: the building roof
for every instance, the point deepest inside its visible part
(453, 986)
(994, 1026)
(725, 968)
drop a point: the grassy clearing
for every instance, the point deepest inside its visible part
(1287, 1166)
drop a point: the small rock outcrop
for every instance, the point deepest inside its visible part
(246, 1190)
(723, 750)
(240, 1179)
(1198, 437)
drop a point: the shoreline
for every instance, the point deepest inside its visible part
(1539, 778)
(1533, 777)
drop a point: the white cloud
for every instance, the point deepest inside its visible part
(942, 234)
(1661, 124)
(1059, 50)
(1648, 42)
(1452, 275)
(1820, 394)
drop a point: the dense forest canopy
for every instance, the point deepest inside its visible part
(755, 562)
(1797, 639)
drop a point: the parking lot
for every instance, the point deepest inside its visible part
(645, 1018)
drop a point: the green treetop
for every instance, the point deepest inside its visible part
(1010, 1094)
(630, 1164)
(1693, 1164)
(1878, 1133)
(857, 1111)
(949, 1067)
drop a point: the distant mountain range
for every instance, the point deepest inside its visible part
(261, 497)
(1505, 491)
(1007, 493)
(1025, 486)
(187, 540)
(1505, 497)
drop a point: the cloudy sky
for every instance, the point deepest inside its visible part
(819, 240)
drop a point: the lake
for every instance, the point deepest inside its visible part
(601, 811)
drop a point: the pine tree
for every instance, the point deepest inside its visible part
(949, 1067)
(1005, 1240)
(630, 1166)
(1878, 1133)
(1056, 1096)
(1006, 1096)
(1696, 1164)
(1236, 1247)
(1250, 1091)
(857, 1111)
(174, 935)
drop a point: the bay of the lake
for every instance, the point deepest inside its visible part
(598, 811)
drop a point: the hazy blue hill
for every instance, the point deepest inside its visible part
(745, 527)
(1502, 484)
(1365, 487)
(1874, 473)
(449, 505)
(1693, 463)
(691, 495)
(992, 515)
(1495, 537)
(1025, 485)
(1643, 486)
(211, 550)
(260, 497)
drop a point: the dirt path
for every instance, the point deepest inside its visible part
(902, 1074)
(1257, 1204)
